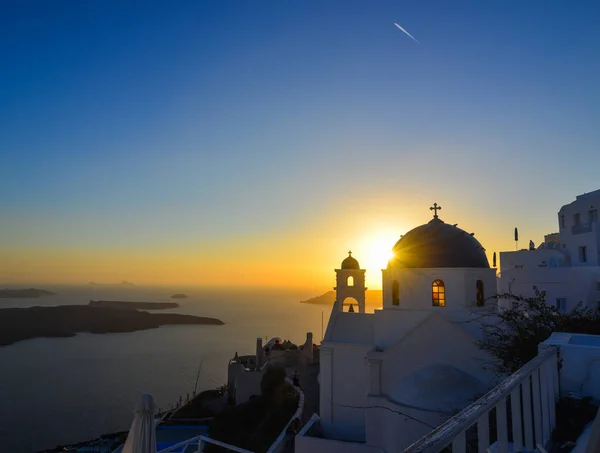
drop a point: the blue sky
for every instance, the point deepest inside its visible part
(133, 124)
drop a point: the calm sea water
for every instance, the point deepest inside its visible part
(64, 390)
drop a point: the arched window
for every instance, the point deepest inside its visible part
(480, 295)
(350, 305)
(395, 293)
(350, 281)
(438, 294)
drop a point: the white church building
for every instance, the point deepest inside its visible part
(388, 377)
(566, 265)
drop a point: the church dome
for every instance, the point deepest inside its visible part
(350, 263)
(437, 244)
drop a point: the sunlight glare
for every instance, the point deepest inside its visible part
(377, 250)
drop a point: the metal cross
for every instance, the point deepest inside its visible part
(435, 208)
(349, 252)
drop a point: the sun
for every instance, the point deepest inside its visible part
(377, 251)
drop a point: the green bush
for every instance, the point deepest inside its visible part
(512, 335)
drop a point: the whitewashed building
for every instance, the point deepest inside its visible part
(566, 265)
(388, 377)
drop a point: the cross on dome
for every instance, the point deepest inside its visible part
(435, 208)
(349, 252)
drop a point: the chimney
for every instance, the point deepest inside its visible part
(259, 353)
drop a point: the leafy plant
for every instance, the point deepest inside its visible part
(512, 335)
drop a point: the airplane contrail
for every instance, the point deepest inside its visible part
(407, 33)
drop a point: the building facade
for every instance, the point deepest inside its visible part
(566, 266)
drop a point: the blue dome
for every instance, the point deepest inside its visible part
(350, 263)
(437, 244)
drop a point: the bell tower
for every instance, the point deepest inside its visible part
(350, 282)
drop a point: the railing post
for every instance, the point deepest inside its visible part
(502, 426)
(545, 394)
(537, 406)
(550, 365)
(515, 411)
(483, 433)
(200, 445)
(555, 374)
(459, 444)
(527, 413)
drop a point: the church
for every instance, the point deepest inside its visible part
(388, 377)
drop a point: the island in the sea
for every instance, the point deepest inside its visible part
(28, 293)
(123, 283)
(17, 324)
(179, 296)
(133, 305)
(372, 297)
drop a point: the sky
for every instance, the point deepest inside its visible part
(247, 143)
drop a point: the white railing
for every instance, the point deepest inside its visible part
(198, 442)
(314, 421)
(279, 443)
(530, 395)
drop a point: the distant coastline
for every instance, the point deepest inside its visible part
(18, 324)
(179, 296)
(372, 297)
(133, 305)
(123, 283)
(28, 293)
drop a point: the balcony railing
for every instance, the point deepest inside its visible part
(196, 444)
(280, 443)
(523, 404)
(581, 228)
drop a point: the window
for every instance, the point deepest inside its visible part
(593, 215)
(395, 293)
(350, 281)
(480, 296)
(438, 294)
(562, 221)
(576, 219)
(583, 254)
(561, 304)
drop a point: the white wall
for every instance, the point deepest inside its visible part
(580, 368)
(247, 384)
(529, 259)
(576, 284)
(393, 427)
(436, 340)
(343, 378)
(415, 286)
(569, 236)
(433, 339)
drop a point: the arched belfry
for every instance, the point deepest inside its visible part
(350, 283)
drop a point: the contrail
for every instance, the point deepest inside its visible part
(407, 33)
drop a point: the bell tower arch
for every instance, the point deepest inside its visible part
(350, 283)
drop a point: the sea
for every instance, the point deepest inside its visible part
(58, 391)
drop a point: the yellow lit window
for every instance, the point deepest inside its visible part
(438, 294)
